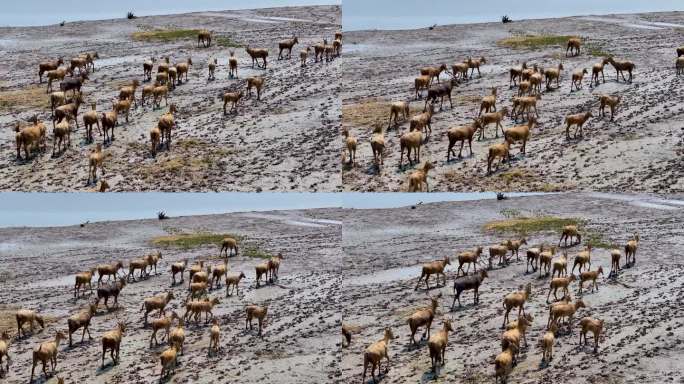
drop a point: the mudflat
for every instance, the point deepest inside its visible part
(640, 150)
(301, 332)
(385, 250)
(285, 142)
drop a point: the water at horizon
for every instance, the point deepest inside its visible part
(379, 200)
(48, 12)
(63, 209)
(412, 14)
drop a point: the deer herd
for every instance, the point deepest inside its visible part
(172, 328)
(524, 109)
(513, 338)
(65, 102)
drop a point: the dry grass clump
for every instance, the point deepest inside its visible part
(534, 41)
(518, 178)
(550, 187)
(515, 179)
(7, 320)
(368, 112)
(116, 85)
(32, 97)
(174, 165)
(165, 35)
(273, 354)
(280, 110)
(209, 152)
(471, 376)
(192, 157)
(468, 99)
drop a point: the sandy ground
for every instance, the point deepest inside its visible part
(642, 308)
(285, 142)
(640, 151)
(301, 337)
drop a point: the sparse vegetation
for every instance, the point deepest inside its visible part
(525, 225)
(596, 240)
(518, 224)
(368, 112)
(533, 41)
(596, 51)
(471, 376)
(165, 35)
(32, 97)
(200, 239)
(191, 157)
(8, 322)
(191, 240)
(510, 176)
(510, 213)
(549, 187)
(226, 42)
(130, 15)
(254, 251)
(467, 99)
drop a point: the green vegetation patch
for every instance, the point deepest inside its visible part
(596, 240)
(165, 35)
(253, 251)
(533, 41)
(226, 42)
(191, 240)
(522, 226)
(525, 225)
(510, 213)
(596, 51)
(200, 239)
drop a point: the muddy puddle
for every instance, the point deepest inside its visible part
(645, 201)
(297, 221)
(62, 281)
(112, 61)
(386, 276)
